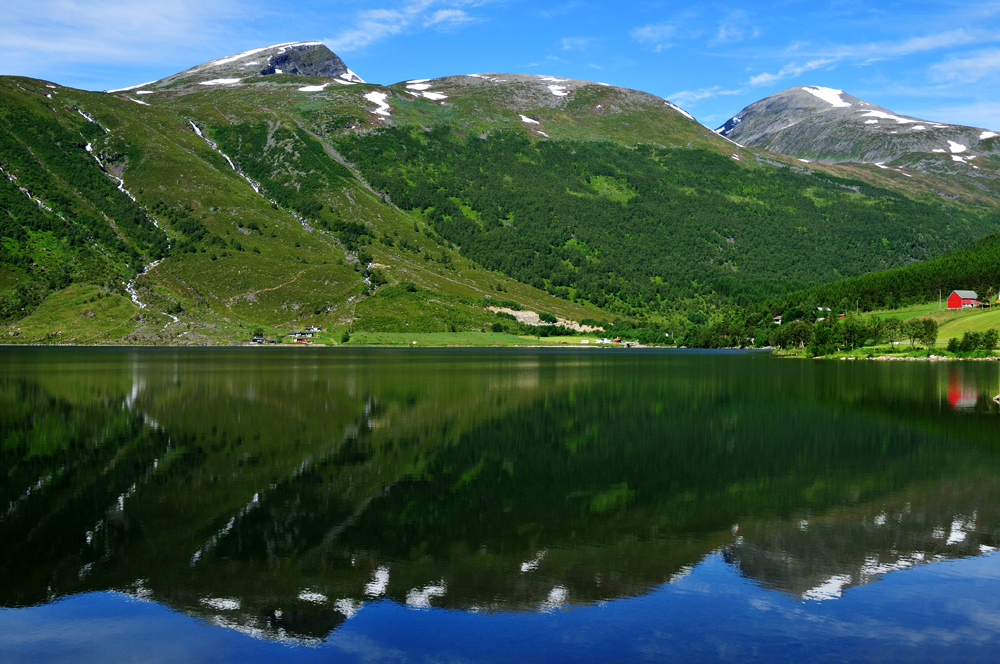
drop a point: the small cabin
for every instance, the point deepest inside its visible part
(962, 299)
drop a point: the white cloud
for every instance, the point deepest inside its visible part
(108, 31)
(577, 43)
(970, 68)
(735, 27)
(690, 97)
(447, 18)
(374, 25)
(788, 71)
(656, 34)
(883, 49)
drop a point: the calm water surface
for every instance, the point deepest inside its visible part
(498, 505)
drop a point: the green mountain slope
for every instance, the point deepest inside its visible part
(291, 199)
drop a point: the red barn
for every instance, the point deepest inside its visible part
(960, 299)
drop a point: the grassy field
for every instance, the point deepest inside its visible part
(951, 323)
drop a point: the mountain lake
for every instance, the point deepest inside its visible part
(495, 505)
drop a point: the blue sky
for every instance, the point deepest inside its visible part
(934, 60)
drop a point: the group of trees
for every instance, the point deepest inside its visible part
(973, 268)
(650, 226)
(756, 327)
(973, 341)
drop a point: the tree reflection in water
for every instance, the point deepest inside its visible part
(279, 492)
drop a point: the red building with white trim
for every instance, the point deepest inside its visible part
(961, 299)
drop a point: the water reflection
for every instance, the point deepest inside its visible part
(281, 492)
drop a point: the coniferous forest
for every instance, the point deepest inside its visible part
(649, 226)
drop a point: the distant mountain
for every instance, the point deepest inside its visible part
(823, 124)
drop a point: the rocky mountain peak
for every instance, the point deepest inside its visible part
(310, 58)
(825, 124)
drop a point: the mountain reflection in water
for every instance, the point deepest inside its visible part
(280, 492)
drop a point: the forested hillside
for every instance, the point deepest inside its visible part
(974, 268)
(648, 225)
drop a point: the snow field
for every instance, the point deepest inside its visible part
(132, 87)
(239, 56)
(422, 88)
(829, 95)
(679, 110)
(887, 116)
(220, 81)
(378, 98)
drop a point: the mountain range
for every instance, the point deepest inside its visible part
(275, 188)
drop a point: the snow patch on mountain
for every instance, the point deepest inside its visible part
(957, 147)
(526, 120)
(245, 54)
(418, 86)
(987, 134)
(435, 96)
(871, 121)
(351, 77)
(138, 101)
(887, 116)
(132, 87)
(313, 88)
(220, 81)
(829, 95)
(558, 90)
(679, 110)
(378, 98)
